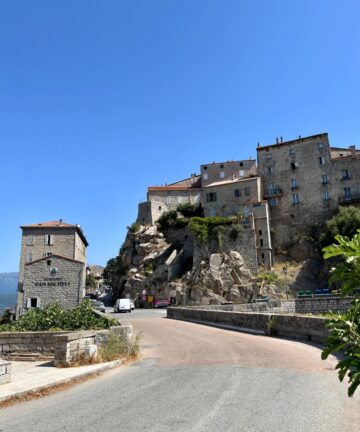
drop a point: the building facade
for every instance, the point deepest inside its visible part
(51, 247)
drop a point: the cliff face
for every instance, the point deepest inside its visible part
(152, 266)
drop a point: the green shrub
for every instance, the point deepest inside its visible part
(203, 227)
(167, 220)
(118, 347)
(54, 318)
(190, 210)
(345, 222)
(134, 227)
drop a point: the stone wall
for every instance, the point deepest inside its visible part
(294, 326)
(40, 342)
(223, 171)
(315, 306)
(5, 372)
(66, 286)
(245, 244)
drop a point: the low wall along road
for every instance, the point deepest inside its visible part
(294, 326)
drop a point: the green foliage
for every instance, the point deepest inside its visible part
(167, 220)
(113, 270)
(345, 328)
(235, 231)
(347, 271)
(190, 210)
(118, 347)
(269, 277)
(345, 336)
(53, 317)
(203, 228)
(134, 227)
(345, 222)
(91, 281)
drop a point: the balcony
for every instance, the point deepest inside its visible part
(273, 193)
(349, 199)
(346, 177)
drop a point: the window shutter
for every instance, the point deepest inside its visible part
(28, 303)
(45, 239)
(38, 302)
(51, 239)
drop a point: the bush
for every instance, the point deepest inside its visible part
(345, 222)
(54, 318)
(118, 347)
(190, 210)
(134, 227)
(167, 220)
(204, 228)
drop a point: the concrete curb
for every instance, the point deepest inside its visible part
(87, 374)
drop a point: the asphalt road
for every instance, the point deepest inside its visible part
(198, 378)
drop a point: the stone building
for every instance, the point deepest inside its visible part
(54, 251)
(294, 186)
(304, 181)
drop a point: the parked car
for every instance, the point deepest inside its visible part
(122, 305)
(98, 305)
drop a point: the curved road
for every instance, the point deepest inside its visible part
(197, 378)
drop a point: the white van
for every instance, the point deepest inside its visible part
(122, 305)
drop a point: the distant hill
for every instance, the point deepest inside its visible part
(8, 282)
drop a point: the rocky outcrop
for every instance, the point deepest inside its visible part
(151, 265)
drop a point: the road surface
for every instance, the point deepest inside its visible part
(195, 378)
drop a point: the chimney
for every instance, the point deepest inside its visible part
(277, 140)
(281, 139)
(60, 221)
(353, 151)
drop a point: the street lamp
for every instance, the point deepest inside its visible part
(285, 270)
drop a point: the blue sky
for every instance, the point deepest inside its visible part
(100, 99)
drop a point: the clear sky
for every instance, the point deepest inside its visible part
(100, 99)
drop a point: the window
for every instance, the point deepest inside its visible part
(261, 242)
(30, 240)
(271, 188)
(46, 254)
(270, 170)
(205, 176)
(33, 302)
(345, 174)
(321, 160)
(247, 191)
(262, 256)
(294, 165)
(48, 262)
(159, 208)
(222, 174)
(326, 195)
(241, 173)
(237, 193)
(49, 239)
(28, 257)
(205, 168)
(260, 232)
(325, 179)
(211, 197)
(292, 152)
(347, 192)
(268, 156)
(241, 164)
(273, 202)
(221, 166)
(292, 216)
(294, 183)
(295, 199)
(320, 146)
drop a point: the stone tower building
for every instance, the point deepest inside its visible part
(52, 265)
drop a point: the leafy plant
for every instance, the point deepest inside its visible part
(134, 227)
(53, 317)
(345, 222)
(345, 328)
(167, 220)
(190, 210)
(203, 228)
(118, 346)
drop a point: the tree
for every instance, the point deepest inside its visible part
(345, 222)
(345, 328)
(91, 281)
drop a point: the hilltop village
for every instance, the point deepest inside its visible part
(264, 209)
(204, 239)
